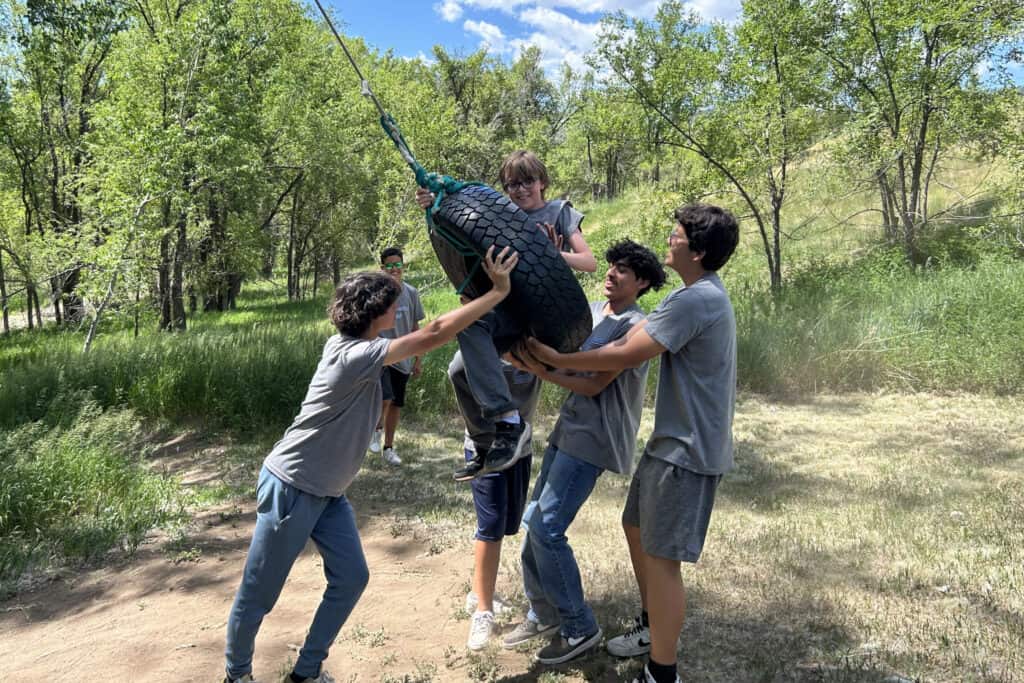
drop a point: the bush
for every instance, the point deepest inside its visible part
(74, 484)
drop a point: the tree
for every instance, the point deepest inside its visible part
(905, 70)
(743, 100)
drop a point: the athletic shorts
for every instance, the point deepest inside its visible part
(393, 383)
(672, 507)
(500, 499)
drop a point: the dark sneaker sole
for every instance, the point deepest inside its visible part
(466, 475)
(522, 447)
(510, 645)
(581, 649)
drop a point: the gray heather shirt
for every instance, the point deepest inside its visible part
(696, 397)
(322, 450)
(602, 429)
(560, 214)
(408, 313)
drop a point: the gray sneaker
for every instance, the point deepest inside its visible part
(562, 649)
(527, 631)
(633, 643)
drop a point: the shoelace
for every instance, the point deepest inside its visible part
(638, 628)
(481, 624)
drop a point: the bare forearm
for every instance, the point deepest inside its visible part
(581, 262)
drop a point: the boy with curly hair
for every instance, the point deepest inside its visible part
(595, 432)
(301, 489)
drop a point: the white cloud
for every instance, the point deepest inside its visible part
(450, 10)
(490, 35)
(551, 26)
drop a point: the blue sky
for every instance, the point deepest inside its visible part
(563, 29)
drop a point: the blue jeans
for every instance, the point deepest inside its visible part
(286, 517)
(551, 578)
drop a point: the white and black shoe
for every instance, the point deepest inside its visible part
(632, 643)
(526, 631)
(562, 649)
(645, 677)
(511, 443)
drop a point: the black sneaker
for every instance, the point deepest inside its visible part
(472, 468)
(562, 649)
(511, 443)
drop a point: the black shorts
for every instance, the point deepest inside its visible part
(393, 383)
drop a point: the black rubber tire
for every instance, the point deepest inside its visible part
(545, 296)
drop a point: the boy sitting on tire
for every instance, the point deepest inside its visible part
(477, 371)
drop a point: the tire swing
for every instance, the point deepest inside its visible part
(468, 218)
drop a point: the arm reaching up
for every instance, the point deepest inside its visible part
(444, 328)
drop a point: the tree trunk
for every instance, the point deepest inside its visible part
(163, 283)
(3, 296)
(39, 310)
(178, 277)
(335, 270)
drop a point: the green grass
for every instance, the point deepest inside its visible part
(74, 485)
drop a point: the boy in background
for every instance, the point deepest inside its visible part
(408, 314)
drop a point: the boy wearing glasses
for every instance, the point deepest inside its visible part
(395, 377)
(497, 400)
(668, 507)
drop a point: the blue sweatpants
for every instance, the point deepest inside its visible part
(286, 518)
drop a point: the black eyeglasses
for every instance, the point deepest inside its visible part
(525, 184)
(394, 265)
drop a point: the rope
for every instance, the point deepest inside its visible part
(440, 185)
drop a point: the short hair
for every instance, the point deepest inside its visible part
(521, 165)
(709, 229)
(389, 252)
(644, 263)
(360, 299)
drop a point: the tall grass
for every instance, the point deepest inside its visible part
(73, 485)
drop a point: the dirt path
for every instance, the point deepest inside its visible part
(156, 619)
(160, 615)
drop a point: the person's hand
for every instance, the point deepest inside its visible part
(526, 359)
(499, 267)
(541, 352)
(417, 367)
(510, 357)
(424, 197)
(555, 238)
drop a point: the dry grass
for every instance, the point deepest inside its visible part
(860, 538)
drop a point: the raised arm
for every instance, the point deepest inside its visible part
(442, 330)
(628, 352)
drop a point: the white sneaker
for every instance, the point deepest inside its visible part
(646, 677)
(632, 643)
(481, 628)
(391, 457)
(375, 441)
(497, 604)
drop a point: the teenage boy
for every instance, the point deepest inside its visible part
(408, 314)
(596, 431)
(484, 389)
(670, 498)
(301, 489)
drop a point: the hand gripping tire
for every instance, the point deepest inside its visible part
(545, 296)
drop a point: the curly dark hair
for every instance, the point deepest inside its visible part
(644, 263)
(710, 229)
(360, 299)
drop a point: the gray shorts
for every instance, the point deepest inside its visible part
(672, 507)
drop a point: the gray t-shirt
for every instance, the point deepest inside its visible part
(560, 214)
(323, 448)
(696, 398)
(407, 315)
(602, 429)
